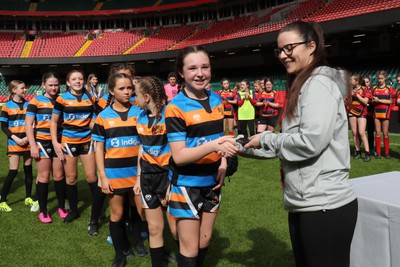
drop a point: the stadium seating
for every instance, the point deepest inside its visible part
(112, 43)
(164, 39)
(337, 9)
(11, 44)
(57, 45)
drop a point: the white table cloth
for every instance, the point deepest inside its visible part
(376, 241)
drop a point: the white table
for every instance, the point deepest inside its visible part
(376, 241)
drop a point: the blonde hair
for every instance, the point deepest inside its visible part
(11, 86)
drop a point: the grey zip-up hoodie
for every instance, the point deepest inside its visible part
(314, 146)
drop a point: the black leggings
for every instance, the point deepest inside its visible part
(243, 127)
(323, 238)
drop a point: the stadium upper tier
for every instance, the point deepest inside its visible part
(26, 8)
(163, 38)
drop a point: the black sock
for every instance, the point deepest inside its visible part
(72, 195)
(42, 190)
(60, 188)
(7, 184)
(93, 188)
(97, 204)
(127, 209)
(136, 223)
(186, 261)
(201, 256)
(28, 180)
(157, 256)
(119, 237)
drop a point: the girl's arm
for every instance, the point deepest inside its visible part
(54, 136)
(221, 173)
(234, 101)
(136, 188)
(91, 124)
(253, 101)
(29, 122)
(382, 101)
(183, 155)
(106, 187)
(363, 100)
(10, 135)
(273, 104)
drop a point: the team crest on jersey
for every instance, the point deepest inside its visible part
(140, 129)
(200, 205)
(158, 128)
(197, 117)
(111, 123)
(148, 197)
(69, 102)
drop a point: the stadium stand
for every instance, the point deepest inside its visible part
(164, 38)
(11, 44)
(57, 45)
(112, 43)
(343, 8)
(175, 37)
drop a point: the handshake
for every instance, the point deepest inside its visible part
(230, 146)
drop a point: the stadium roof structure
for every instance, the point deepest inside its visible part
(52, 8)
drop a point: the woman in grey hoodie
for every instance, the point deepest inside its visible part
(314, 150)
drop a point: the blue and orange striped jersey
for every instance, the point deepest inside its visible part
(41, 108)
(76, 113)
(121, 145)
(13, 114)
(102, 102)
(195, 122)
(155, 148)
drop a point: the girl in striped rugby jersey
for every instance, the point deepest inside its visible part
(76, 110)
(38, 117)
(153, 163)
(117, 145)
(12, 119)
(194, 120)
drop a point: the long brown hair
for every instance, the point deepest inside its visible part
(155, 88)
(308, 31)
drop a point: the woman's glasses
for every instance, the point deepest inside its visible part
(287, 49)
